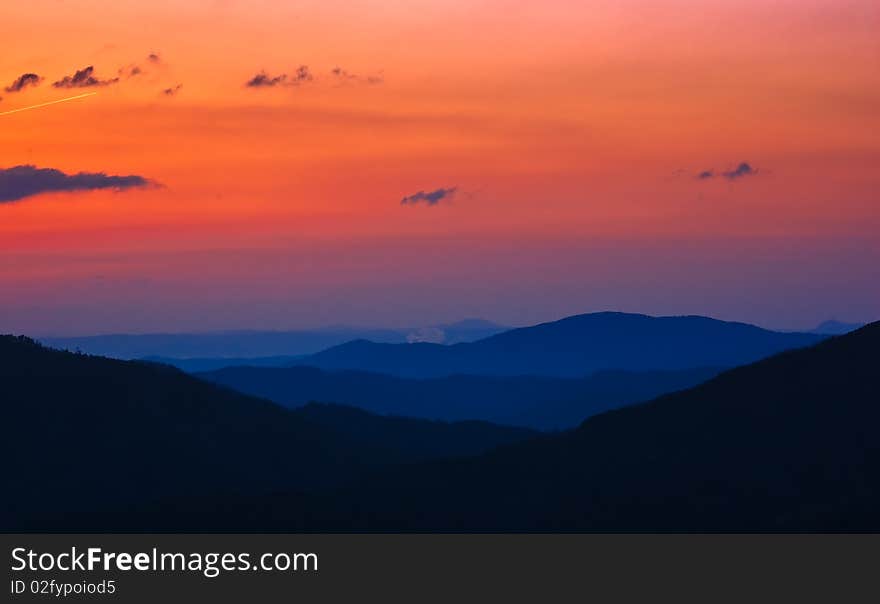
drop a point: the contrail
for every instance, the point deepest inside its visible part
(72, 98)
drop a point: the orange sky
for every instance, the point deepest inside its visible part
(573, 133)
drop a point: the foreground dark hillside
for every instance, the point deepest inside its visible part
(544, 403)
(79, 433)
(790, 443)
(573, 347)
(786, 444)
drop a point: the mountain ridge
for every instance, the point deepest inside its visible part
(572, 347)
(97, 432)
(785, 444)
(545, 403)
(260, 344)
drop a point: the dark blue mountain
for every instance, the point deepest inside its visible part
(787, 444)
(198, 364)
(219, 345)
(206, 351)
(573, 347)
(80, 433)
(544, 403)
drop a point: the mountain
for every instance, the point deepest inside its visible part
(836, 328)
(197, 364)
(415, 439)
(206, 351)
(544, 403)
(572, 347)
(233, 344)
(81, 432)
(787, 444)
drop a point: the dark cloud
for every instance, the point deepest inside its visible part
(343, 74)
(20, 182)
(302, 74)
(173, 90)
(131, 71)
(136, 69)
(83, 78)
(347, 76)
(430, 198)
(264, 80)
(742, 170)
(23, 81)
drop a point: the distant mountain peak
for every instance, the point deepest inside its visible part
(575, 346)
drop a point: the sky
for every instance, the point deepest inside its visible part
(269, 164)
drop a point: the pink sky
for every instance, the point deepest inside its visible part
(573, 134)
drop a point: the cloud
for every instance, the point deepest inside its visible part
(136, 69)
(343, 74)
(431, 198)
(346, 76)
(131, 71)
(742, 170)
(264, 80)
(20, 182)
(83, 78)
(23, 81)
(430, 335)
(173, 90)
(302, 74)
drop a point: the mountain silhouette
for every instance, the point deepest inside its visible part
(219, 345)
(787, 444)
(207, 364)
(545, 403)
(214, 348)
(573, 347)
(413, 439)
(81, 432)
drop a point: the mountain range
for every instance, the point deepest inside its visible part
(543, 403)
(262, 344)
(787, 444)
(93, 432)
(572, 347)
